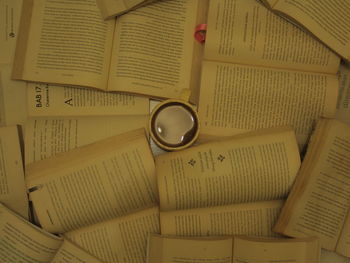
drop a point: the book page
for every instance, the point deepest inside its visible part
(71, 253)
(252, 250)
(246, 32)
(10, 11)
(46, 137)
(51, 100)
(2, 105)
(198, 54)
(327, 20)
(63, 42)
(236, 98)
(332, 257)
(254, 219)
(343, 107)
(319, 201)
(121, 239)
(112, 8)
(269, 2)
(163, 249)
(153, 49)
(13, 95)
(96, 182)
(12, 111)
(20, 241)
(244, 169)
(343, 246)
(12, 187)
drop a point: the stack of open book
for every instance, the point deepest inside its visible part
(106, 198)
(267, 181)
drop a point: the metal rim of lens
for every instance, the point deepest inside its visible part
(161, 143)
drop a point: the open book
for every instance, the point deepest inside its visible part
(51, 100)
(12, 186)
(239, 249)
(21, 240)
(148, 51)
(253, 219)
(257, 166)
(46, 137)
(93, 183)
(318, 204)
(111, 8)
(327, 20)
(261, 71)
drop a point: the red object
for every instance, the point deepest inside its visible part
(200, 33)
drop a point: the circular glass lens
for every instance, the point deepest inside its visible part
(174, 125)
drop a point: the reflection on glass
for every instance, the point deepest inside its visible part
(174, 125)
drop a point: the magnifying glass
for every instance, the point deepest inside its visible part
(174, 125)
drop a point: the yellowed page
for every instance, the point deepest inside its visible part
(13, 93)
(319, 201)
(46, 137)
(51, 100)
(2, 105)
(244, 169)
(236, 98)
(121, 239)
(12, 111)
(252, 250)
(269, 2)
(63, 42)
(71, 253)
(135, 3)
(12, 187)
(254, 219)
(153, 49)
(198, 54)
(112, 8)
(20, 241)
(10, 11)
(246, 32)
(332, 257)
(163, 249)
(327, 20)
(96, 182)
(343, 107)
(343, 246)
